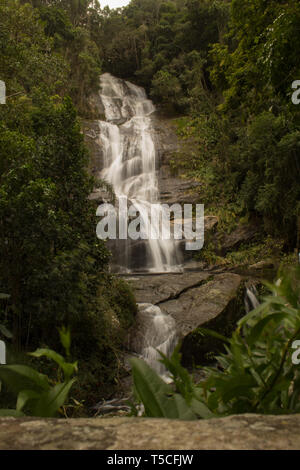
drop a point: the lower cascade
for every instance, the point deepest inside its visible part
(251, 298)
(157, 333)
(130, 165)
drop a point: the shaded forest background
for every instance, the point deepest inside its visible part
(224, 69)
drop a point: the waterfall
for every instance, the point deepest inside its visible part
(251, 298)
(129, 165)
(156, 331)
(2, 353)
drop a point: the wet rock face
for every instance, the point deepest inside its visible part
(242, 432)
(157, 289)
(230, 242)
(91, 132)
(223, 305)
(199, 305)
(96, 108)
(194, 300)
(215, 305)
(173, 190)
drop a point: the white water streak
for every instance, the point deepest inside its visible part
(130, 159)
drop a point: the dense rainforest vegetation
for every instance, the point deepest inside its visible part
(229, 68)
(224, 69)
(51, 264)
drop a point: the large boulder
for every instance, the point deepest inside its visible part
(156, 289)
(197, 306)
(242, 432)
(216, 305)
(195, 299)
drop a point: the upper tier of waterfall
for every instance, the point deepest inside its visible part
(130, 166)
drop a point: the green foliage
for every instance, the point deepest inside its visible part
(36, 395)
(71, 25)
(269, 164)
(4, 332)
(163, 44)
(158, 398)
(27, 55)
(257, 371)
(166, 87)
(267, 249)
(255, 374)
(256, 69)
(51, 263)
(228, 65)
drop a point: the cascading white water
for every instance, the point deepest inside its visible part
(251, 298)
(129, 164)
(158, 333)
(2, 354)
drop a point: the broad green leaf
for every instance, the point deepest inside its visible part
(21, 377)
(158, 398)
(50, 401)
(150, 387)
(24, 397)
(67, 367)
(238, 358)
(65, 338)
(200, 409)
(178, 409)
(253, 313)
(259, 327)
(14, 413)
(237, 387)
(180, 375)
(48, 353)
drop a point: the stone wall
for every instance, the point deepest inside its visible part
(243, 432)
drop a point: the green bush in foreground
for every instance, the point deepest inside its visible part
(36, 394)
(256, 374)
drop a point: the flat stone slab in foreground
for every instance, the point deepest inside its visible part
(245, 432)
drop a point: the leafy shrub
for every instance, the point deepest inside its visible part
(254, 375)
(160, 400)
(36, 395)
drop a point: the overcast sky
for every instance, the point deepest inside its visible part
(114, 3)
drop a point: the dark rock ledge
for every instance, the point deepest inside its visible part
(203, 299)
(245, 432)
